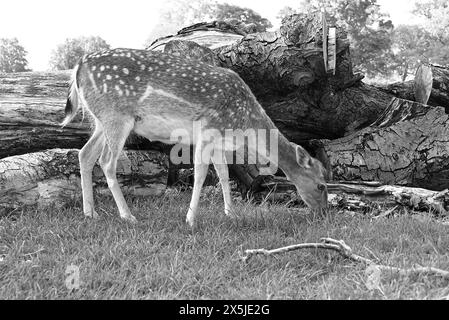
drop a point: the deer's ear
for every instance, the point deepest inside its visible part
(302, 157)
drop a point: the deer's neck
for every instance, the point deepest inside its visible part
(277, 151)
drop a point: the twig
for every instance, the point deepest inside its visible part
(343, 249)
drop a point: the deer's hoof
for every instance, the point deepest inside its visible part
(130, 218)
(92, 214)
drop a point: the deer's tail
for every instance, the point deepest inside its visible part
(73, 101)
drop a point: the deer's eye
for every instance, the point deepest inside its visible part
(321, 187)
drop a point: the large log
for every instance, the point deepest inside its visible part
(407, 145)
(440, 88)
(51, 178)
(285, 70)
(31, 108)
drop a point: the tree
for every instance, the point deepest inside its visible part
(412, 45)
(66, 55)
(369, 30)
(285, 12)
(241, 16)
(177, 14)
(12, 56)
(436, 17)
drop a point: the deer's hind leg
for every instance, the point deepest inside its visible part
(116, 132)
(88, 155)
(221, 167)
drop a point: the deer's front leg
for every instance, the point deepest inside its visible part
(201, 167)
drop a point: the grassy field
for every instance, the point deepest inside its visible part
(161, 258)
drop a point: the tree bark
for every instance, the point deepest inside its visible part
(52, 178)
(31, 108)
(407, 145)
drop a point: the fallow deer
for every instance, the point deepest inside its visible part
(153, 94)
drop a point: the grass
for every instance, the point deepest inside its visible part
(161, 258)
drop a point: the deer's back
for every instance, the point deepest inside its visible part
(143, 83)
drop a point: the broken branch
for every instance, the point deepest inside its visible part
(344, 250)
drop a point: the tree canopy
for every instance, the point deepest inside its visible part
(12, 56)
(436, 16)
(66, 55)
(177, 14)
(369, 30)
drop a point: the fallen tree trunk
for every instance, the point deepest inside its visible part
(439, 96)
(51, 178)
(31, 110)
(285, 70)
(407, 145)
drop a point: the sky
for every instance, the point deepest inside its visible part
(40, 25)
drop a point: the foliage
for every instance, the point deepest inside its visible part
(12, 56)
(412, 45)
(177, 14)
(238, 15)
(369, 30)
(436, 16)
(66, 55)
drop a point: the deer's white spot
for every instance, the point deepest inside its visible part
(102, 68)
(125, 71)
(120, 92)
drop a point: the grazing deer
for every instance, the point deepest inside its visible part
(153, 94)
